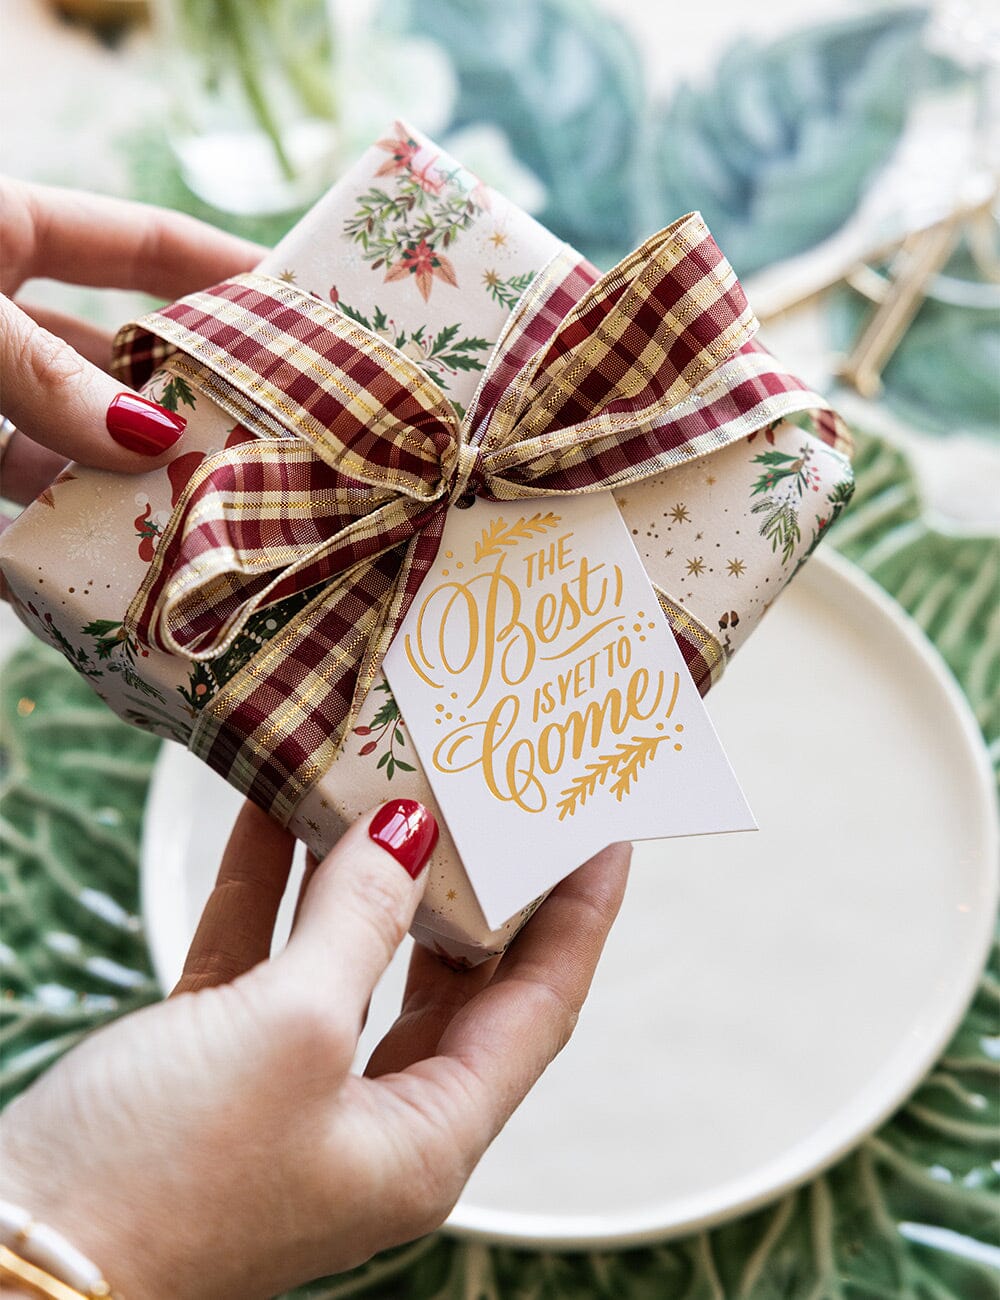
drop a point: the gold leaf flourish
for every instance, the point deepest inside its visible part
(624, 764)
(499, 534)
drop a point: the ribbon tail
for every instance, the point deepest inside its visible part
(280, 723)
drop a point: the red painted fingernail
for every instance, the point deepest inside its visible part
(407, 830)
(140, 425)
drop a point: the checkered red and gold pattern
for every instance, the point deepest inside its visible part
(596, 382)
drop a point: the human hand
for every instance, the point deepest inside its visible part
(217, 1145)
(52, 387)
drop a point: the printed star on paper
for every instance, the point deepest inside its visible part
(491, 279)
(736, 567)
(696, 567)
(451, 895)
(710, 480)
(287, 276)
(498, 239)
(679, 514)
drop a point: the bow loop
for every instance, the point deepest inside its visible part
(636, 345)
(288, 365)
(341, 498)
(256, 523)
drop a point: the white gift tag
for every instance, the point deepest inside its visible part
(549, 703)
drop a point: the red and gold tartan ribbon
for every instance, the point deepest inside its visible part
(595, 383)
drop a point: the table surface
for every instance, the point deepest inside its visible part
(911, 1212)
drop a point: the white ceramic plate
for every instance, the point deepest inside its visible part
(765, 1000)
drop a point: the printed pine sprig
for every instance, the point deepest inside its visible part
(780, 466)
(499, 534)
(507, 292)
(108, 634)
(386, 225)
(441, 355)
(781, 486)
(780, 526)
(118, 648)
(838, 499)
(624, 764)
(76, 655)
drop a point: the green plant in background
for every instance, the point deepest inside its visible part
(564, 84)
(776, 150)
(275, 55)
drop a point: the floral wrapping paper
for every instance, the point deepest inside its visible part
(418, 250)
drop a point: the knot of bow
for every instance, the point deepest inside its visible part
(329, 516)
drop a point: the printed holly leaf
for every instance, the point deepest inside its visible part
(176, 393)
(459, 361)
(443, 339)
(102, 626)
(385, 714)
(774, 458)
(355, 315)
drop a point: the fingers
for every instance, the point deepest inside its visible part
(499, 1043)
(91, 239)
(357, 909)
(235, 929)
(434, 994)
(78, 412)
(27, 469)
(91, 341)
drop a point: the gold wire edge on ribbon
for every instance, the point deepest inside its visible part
(661, 251)
(711, 648)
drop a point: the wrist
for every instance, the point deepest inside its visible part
(49, 1246)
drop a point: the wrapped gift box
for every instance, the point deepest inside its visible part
(418, 251)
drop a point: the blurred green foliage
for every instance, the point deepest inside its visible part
(777, 149)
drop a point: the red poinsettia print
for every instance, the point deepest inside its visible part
(408, 157)
(424, 263)
(401, 148)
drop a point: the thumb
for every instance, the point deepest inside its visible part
(64, 403)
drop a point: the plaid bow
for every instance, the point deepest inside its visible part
(595, 383)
